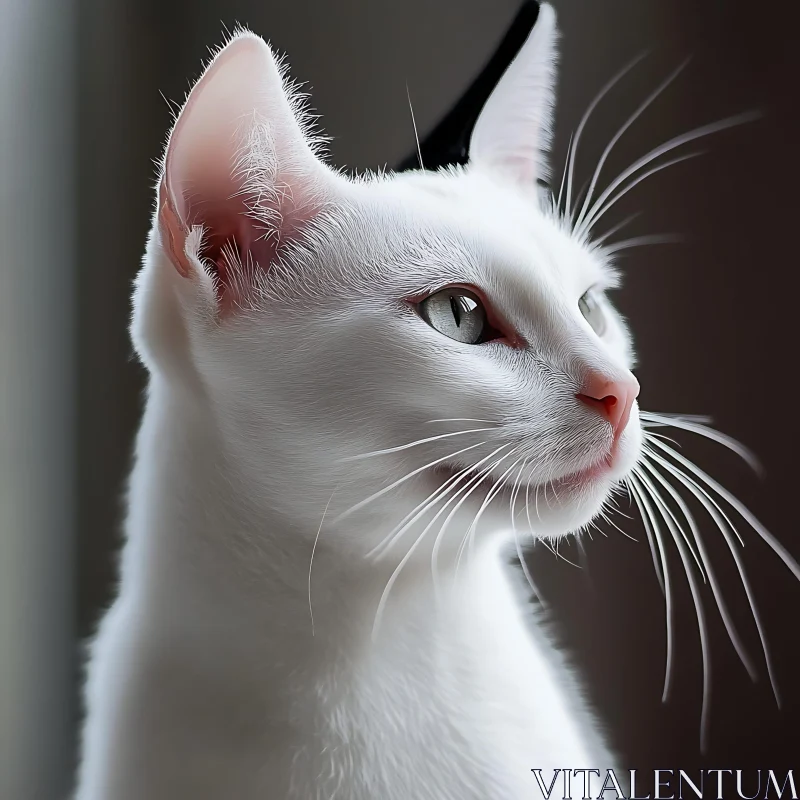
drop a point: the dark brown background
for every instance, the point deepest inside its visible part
(715, 318)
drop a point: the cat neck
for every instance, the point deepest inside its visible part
(198, 558)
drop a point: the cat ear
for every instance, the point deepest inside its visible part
(514, 129)
(239, 169)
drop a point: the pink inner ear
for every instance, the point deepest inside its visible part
(243, 231)
(245, 218)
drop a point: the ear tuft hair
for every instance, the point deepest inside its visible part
(243, 163)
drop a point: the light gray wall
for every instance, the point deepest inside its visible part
(37, 397)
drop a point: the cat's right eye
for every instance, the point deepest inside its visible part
(592, 310)
(458, 313)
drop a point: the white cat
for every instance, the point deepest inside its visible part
(361, 391)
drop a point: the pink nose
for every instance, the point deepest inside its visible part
(612, 399)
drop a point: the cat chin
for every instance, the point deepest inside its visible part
(571, 503)
(567, 506)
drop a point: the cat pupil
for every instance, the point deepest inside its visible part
(454, 302)
(461, 305)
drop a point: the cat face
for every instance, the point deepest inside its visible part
(422, 347)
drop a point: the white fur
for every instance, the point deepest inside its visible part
(208, 679)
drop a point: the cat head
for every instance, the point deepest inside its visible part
(387, 339)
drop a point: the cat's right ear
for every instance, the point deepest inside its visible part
(514, 129)
(241, 175)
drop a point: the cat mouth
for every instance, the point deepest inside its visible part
(587, 476)
(476, 480)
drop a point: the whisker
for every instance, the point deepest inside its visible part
(549, 546)
(422, 508)
(669, 666)
(515, 490)
(419, 510)
(358, 506)
(702, 488)
(615, 505)
(618, 135)
(607, 519)
(520, 555)
(666, 147)
(719, 517)
(578, 197)
(698, 605)
(527, 505)
(700, 419)
(535, 503)
(562, 557)
(476, 481)
(649, 532)
(663, 436)
(582, 124)
(649, 437)
(414, 123)
(390, 583)
(490, 495)
(464, 419)
(526, 571)
(564, 173)
(670, 515)
(642, 241)
(409, 553)
(727, 619)
(696, 426)
(583, 561)
(398, 448)
(546, 484)
(740, 508)
(311, 562)
(595, 215)
(618, 227)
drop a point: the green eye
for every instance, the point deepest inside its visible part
(456, 313)
(592, 309)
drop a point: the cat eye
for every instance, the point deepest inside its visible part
(459, 314)
(592, 310)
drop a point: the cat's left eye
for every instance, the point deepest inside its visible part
(459, 314)
(591, 307)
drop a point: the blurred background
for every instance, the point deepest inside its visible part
(83, 114)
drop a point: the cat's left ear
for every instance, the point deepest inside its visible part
(241, 177)
(514, 129)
